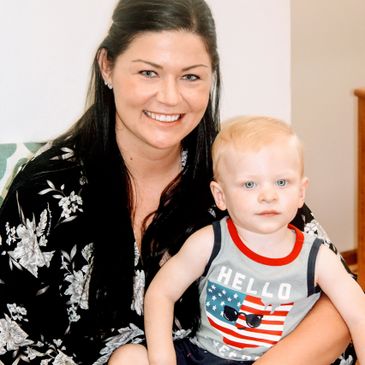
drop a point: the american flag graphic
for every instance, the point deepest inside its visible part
(235, 331)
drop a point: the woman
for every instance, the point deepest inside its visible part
(87, 223)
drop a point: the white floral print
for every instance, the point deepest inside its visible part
(76, 288)
(78, 279)
(62, 359)
(17, 313)
(125, 335)
(348, 361)
(67, 154)
(11, 335)
(179, 334)
(138, 291)
(87, 252)
(139, 281)
(70, 204)
(136, 254)
(314, 228)
(30, 236)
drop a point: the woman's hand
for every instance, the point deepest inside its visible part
(319, 339)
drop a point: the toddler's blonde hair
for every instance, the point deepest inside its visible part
(251, 133)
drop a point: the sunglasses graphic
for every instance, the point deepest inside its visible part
(252, 320)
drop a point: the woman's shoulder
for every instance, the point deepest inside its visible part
(51, 162)
(54, 171)
(55, 156)
(49, 191)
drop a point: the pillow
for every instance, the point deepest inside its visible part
(12, 157)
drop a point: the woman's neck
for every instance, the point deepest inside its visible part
(152, 164)
(145, 161)
(151, 170)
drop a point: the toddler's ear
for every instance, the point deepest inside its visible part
(303, 188)
(218, 195)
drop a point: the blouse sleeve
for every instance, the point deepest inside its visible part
(34, 319)
(306, 222)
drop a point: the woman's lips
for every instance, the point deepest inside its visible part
(166, 118)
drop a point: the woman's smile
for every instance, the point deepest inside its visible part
(163, 117)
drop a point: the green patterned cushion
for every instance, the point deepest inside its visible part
(12, 157)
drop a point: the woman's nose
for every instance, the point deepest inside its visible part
(169, 92)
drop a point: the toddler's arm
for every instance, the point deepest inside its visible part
(167, 287)
(345, 293)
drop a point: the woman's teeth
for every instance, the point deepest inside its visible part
(163, 117)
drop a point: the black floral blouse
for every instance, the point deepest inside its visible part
(44, 273)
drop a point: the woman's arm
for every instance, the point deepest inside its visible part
(39, 282)
(319, 339)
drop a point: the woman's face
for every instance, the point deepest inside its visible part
(161, 87)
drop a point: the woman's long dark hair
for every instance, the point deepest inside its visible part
(184, 204)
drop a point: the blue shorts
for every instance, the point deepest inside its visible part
(189, 354)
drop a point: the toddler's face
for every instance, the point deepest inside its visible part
(262, 190)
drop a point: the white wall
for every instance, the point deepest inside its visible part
(254, 44)
(47, 49)
(328, 63)
(46, 54)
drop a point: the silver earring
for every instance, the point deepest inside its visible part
(108, 84)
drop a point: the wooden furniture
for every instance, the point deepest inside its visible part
(360, 93)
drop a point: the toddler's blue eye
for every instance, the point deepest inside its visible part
(282, 182)
(249, 184)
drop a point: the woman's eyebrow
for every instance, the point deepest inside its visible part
(148, 63)
(195, 66)
(160, 67)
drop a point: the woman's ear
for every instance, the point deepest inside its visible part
(218, 195)
(105, 67)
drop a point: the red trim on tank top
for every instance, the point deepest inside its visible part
(263, 259)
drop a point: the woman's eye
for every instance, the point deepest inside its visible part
(282, 183)
(191, 77)
(148, 73)
(249, 184)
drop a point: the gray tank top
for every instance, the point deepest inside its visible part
(249, 302)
